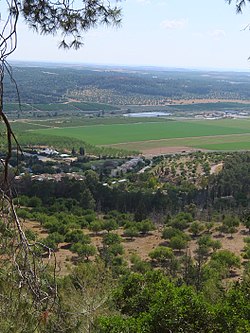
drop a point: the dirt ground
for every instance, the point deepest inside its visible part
(204, 100)
(166, 150)
(141, 245)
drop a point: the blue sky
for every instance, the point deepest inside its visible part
(169, 33)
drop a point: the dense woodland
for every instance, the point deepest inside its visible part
(229, 190)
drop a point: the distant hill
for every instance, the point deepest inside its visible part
(50, 83)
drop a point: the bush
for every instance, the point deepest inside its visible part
(145, 226)
(110, 225)
(96, 226)
(75, 236)
(84, 250)
(170, 232)
(178, 243)
(131, 232)
(110, 239)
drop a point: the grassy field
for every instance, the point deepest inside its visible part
(86, 121)
(208, 107)
(71, 106)
(194, 133)
(218, 142)
(137, 133)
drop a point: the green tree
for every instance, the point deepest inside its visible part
(35, 202)
(139, 265)
(82, 151)
(226, 258)
(96, 226)
(111, 238)
(131, 232)
(246, 221)
(196, 227)
(161, 254)
(76, 236)
(24, 213)
(181, 220)
(72, 20)
(178, 243)
(84, 250)
(150, 303)
(145, 226)
(230, 224)
(52, 241)
(170, 232)
(110, 225)
(165, 258)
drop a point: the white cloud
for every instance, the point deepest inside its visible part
(174, 24)
(217, 34)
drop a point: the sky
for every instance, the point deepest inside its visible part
(205, 34)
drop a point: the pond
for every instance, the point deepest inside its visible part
(147, 114)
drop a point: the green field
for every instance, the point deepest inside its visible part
(53, 107)
(136, 133)
(194, 133)
(208, 107)
(87, 121)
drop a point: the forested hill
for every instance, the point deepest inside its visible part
(122, 85)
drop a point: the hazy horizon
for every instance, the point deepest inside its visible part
(159, 33)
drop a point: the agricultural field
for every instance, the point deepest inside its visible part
(223, 134)
(43, 110)
(63, 122)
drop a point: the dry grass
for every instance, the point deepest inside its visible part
(140, 246)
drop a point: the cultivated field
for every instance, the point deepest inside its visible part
(223, 134)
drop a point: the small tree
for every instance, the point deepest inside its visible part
(196, 227)
(209, 226)
(76, 236)
(96, 226)
(84, 250)
(226, 258)
(170, 232)
(178, 243)
(52, 241)
(24, 213)
(230, 224)
(139, 265)
(115, 249)
(215, 245)
(181, 220)
(110, 225)
(247, 248)
(35, 202)
(82, 151)
(246, 222)
(145, 226)
(161, 255)
(131, 232)
(110, 239)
